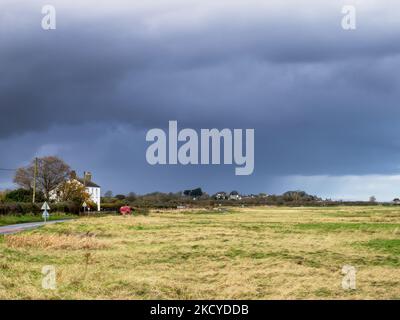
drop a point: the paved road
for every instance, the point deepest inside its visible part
(13, 228)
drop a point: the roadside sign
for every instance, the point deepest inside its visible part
(45, 214)
(84, 205)
(45, 206)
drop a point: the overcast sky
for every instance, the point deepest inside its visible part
(324, 102)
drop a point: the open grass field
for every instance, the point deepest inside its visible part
(247, 253)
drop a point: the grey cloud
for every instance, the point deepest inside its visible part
(322, 101)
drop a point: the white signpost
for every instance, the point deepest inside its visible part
(84, 205)
(45, 208)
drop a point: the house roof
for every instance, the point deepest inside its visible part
(88, 183)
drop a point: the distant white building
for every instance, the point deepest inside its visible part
(220, 195)
(234, 195)
(92, 188)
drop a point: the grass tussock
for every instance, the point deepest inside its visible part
(53, 241)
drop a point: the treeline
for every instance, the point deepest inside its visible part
(197, 198)
(19, 201)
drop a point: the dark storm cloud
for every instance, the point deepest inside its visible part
(104, 69)
(322, 100)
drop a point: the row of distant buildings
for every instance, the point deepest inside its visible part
(234, 195)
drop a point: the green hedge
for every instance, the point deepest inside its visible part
(66, 207)
(19, 208)
(114, 207)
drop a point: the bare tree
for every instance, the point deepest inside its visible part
(52, 171)
(24, 177)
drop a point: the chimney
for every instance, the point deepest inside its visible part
(88, 176)
(72, 175)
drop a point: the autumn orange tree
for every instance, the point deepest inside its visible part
(73, 191)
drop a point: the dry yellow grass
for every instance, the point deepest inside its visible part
(249, 253)
(53, 241)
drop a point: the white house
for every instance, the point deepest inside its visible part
(92, 188)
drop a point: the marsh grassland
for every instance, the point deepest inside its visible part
(248, 253)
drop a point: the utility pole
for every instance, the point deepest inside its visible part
(34, 180)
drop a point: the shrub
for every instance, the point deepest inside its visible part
(22, 195)
(112, 207)
(65, 207)
(18, 195)
(141, 211)
(18, 208)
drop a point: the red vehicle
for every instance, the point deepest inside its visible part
(125, 210)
